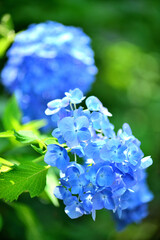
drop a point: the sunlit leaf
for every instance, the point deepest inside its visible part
(37, 149)
(6, 134)
(6, 162)
(5, 165)
(24, 136)
(29, 177)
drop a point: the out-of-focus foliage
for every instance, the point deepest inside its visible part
(125, 37)
(127, 66)
(6, 33)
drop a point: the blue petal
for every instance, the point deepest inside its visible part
(91, 150)
(61, 192)
(104, 153)
(96, 119)
(128, 180)
(50, 158)
(146, 162)
(55, 104)
(62, 163)
(87, 202)
(75, 96)
(74, 211)
(82, 122)
(126, 128)
(105, 111)
(76, 187)
(91, 174)
(71, 138)
(78, 151)
(56, 156)
(105, 176)
(93, 103)
(65, 102)
(56, 133)
(97, 201)
(66, 124)
(109, 203)
(93, 215)
(53, 147)
(69, 199)
(145, 194)
(72, 172)
(50, 111)
(84, 135)
(119, 191)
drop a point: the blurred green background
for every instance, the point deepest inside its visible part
(126, 41)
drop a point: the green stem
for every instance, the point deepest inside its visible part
(75, 157)
(71, 106)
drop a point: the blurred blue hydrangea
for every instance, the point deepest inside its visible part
(44, 61)
(98, 167)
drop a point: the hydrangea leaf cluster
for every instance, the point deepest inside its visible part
(98, 168)
(47, 56)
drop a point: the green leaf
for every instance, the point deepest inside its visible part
(5, 165)
(39, 150)
(6, 162)
(6, 134)
(24, 136)
(29, 177)
(12, 115)
(4, 169)
(27, 137)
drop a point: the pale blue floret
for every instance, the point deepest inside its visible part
(56, 156)
(105, 176)
(56, 105)
(94, 104)
(74, 130)
(146, 162)
(61, 192)
(75, 96)
(113, 151)
(103, 199)
(74, 210)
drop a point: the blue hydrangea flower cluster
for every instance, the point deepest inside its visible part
(47, 56)
(98, 168)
